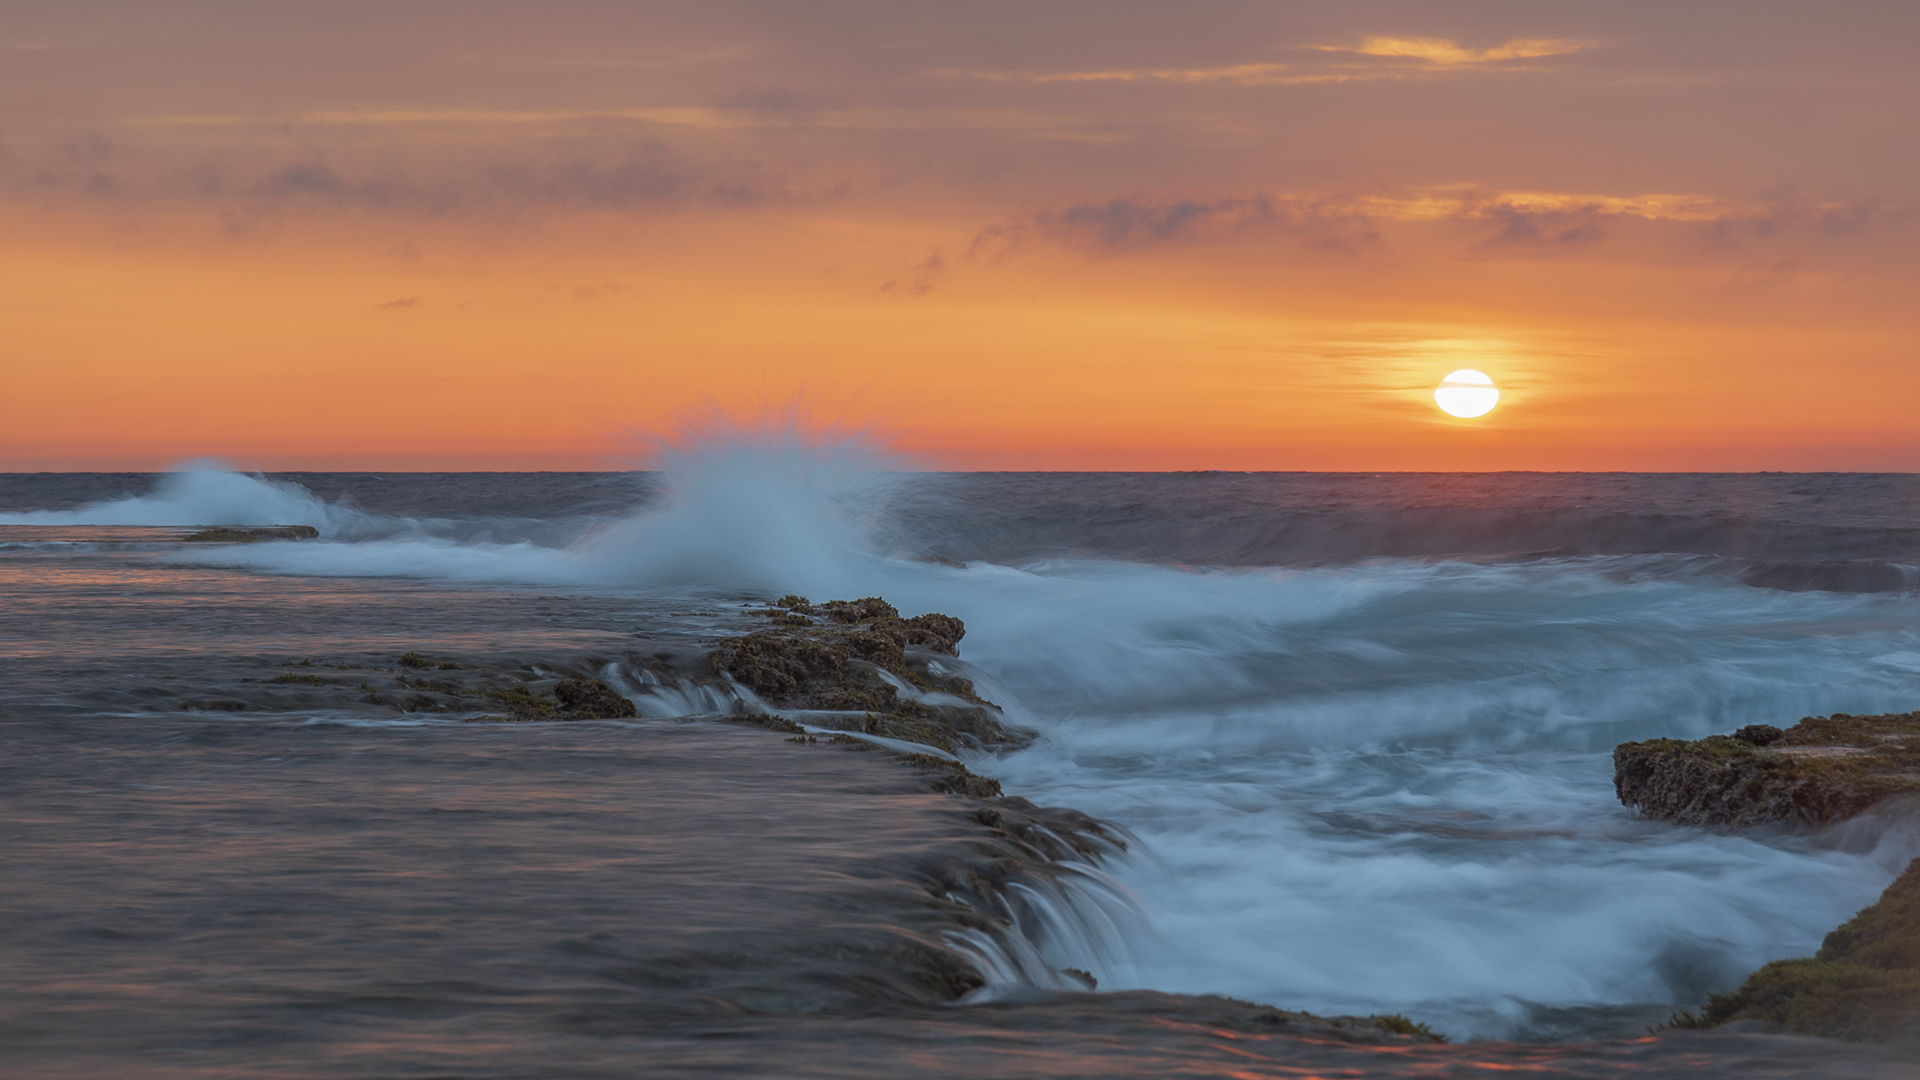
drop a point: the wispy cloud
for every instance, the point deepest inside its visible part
(1374, 58)
(1483, 220)
(1242, 74)
(487, 179)
(740, 111)
(1442, 53)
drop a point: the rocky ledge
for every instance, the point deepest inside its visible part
(1864, 983)
(857, 666)
(226, 534)
(1821, 770)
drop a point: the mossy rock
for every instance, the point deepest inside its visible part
(1863, 985)
(524, 704)
(590, 699)
(1821, 770)
(932, 631)
(231, 535)
(829, 657)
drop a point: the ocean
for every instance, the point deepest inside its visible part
(1353, 731)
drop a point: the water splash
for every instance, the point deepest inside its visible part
(763, 508)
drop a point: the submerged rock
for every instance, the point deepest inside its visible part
(1863, 985)
(1821, 770)
(235, 535)
(590, 699)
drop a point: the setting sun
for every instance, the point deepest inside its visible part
(1466, 393)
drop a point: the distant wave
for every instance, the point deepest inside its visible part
(770, 508)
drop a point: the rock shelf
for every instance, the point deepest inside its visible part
(1821, 770)
(226, 534)
(1864, 983)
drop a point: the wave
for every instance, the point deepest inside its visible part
(204, 493)
(772, 509)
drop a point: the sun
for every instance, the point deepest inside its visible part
(1466, 393)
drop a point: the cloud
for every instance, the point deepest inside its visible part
(1375, 58)
(1266, 74)
(250, 178)
(1133, 222)
(1442, 53)
(1472, 220)
(1138, 222)
(918, 279)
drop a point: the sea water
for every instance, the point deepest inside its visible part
(1360, 724)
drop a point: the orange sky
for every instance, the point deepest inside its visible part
(1038, 235)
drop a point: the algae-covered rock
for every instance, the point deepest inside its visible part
(589, 699)
(235, 535)
(524, 704)
(835, 657)
(1821, 770)
(1863, 984)
(570, 699)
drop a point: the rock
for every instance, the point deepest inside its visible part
(932, 631)
(1863, 985)
(1821, 770)
(589, 699)
(525, 705)
(828, 657)
(232, 535)
(1759, 734)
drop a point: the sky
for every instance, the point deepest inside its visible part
(1033, 235)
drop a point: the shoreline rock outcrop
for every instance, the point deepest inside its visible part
(863, 668)
(1864, 983)
(1821, 770)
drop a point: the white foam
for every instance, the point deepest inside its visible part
(202, 493)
